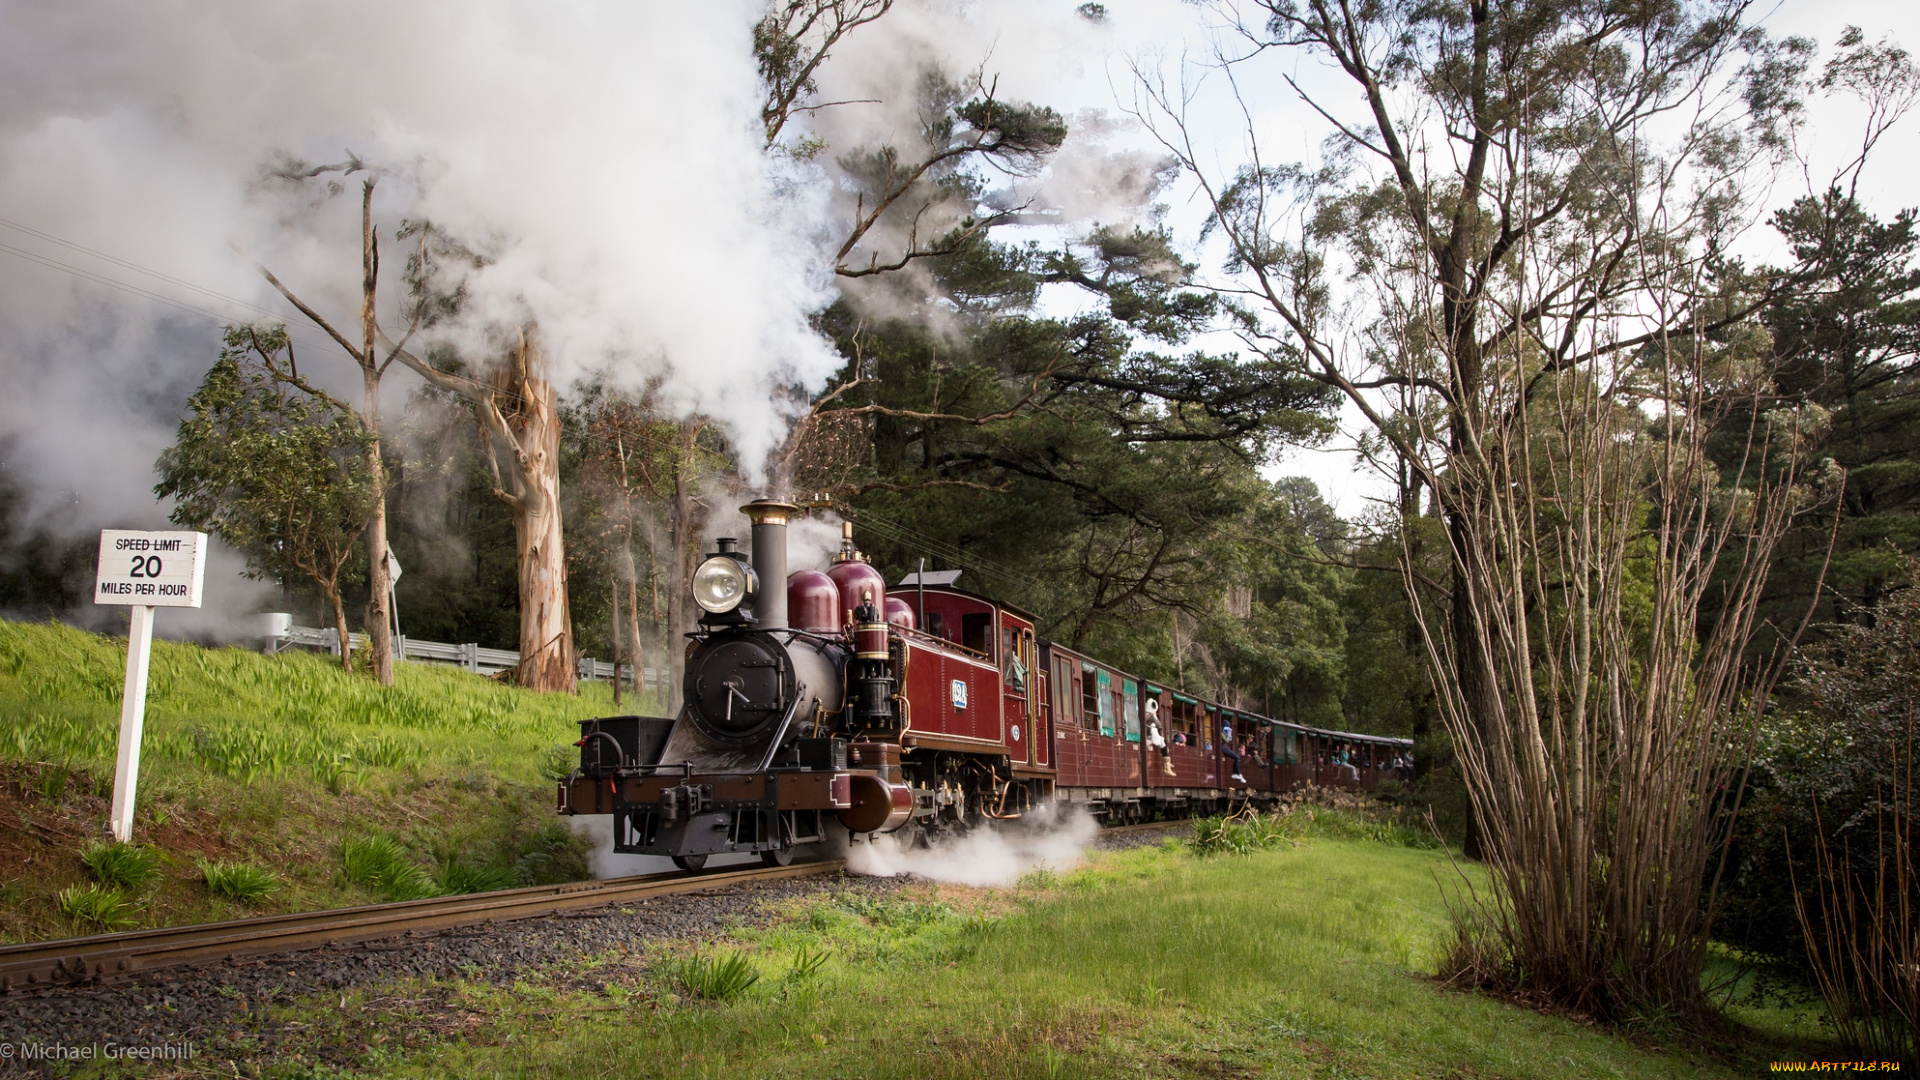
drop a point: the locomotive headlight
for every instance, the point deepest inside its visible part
(722, 583)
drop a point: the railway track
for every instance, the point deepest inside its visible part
(38, 965)
(1172, 823)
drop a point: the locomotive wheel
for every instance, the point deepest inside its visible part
(690, 862)
(777, 857)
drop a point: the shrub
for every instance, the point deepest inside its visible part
(715, 978)
(553, 854)
(102, 906)
(238, 881)
(381, 865)
(1831, 753)
(1241, 834)
(126, 866)
(457, 876)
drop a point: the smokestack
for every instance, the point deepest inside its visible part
(769, 517)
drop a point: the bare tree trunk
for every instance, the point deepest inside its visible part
(379, 622)
(340, 627)
(631, 583)
(521, 411)
(685, 530)
(379, 615)
(532, 436)
(613, 594)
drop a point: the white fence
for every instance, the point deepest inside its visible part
(470, 656)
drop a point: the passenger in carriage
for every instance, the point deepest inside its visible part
(1156, 740)
(1228, 748)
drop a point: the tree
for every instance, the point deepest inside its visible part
(379, 619)
(1084, 477)
(790, 44)
(1537, 276)
(1853, 349)
(1835, 773)
(279, 474)
(519, 407)
(635, 467)
(450, 532)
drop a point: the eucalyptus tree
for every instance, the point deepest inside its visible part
(274, 467)
(1532, 205)
(361, 347)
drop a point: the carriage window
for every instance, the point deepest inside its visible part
(976, 632)
(1014, 667)
(1089, 697)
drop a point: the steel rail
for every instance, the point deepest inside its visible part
(37, 965)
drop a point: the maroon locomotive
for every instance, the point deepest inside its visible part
(817, 701)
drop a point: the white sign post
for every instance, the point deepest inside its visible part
(143, 570)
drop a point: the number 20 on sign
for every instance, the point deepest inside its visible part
(143, 570)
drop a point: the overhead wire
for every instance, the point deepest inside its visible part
(128, 264)
(307, 334)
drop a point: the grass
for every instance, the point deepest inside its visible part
(1307, 961)
(247, 717)
(238, 882)
(382, 866)
(131, 867)
(715, 977)
(271, 762)
(96, 907)
(459, 875)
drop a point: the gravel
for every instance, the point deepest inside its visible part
(223, 1007)
(1148, 837)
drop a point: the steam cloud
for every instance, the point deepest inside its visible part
(606, 157)
(987, 857)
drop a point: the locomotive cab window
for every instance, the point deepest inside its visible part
(937, 624)
(976, 632)
(1013, 663)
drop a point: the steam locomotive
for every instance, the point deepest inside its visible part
(816, 702)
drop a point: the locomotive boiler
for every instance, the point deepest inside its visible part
(812, 702)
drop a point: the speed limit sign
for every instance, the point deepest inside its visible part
(152, 569)
(143, 570)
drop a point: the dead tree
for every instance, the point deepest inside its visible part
(517, 404)
(379, 618)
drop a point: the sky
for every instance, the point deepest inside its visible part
(1156, 31)
(602, 154)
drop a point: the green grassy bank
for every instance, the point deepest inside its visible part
(1308, 961)
(282, 764)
